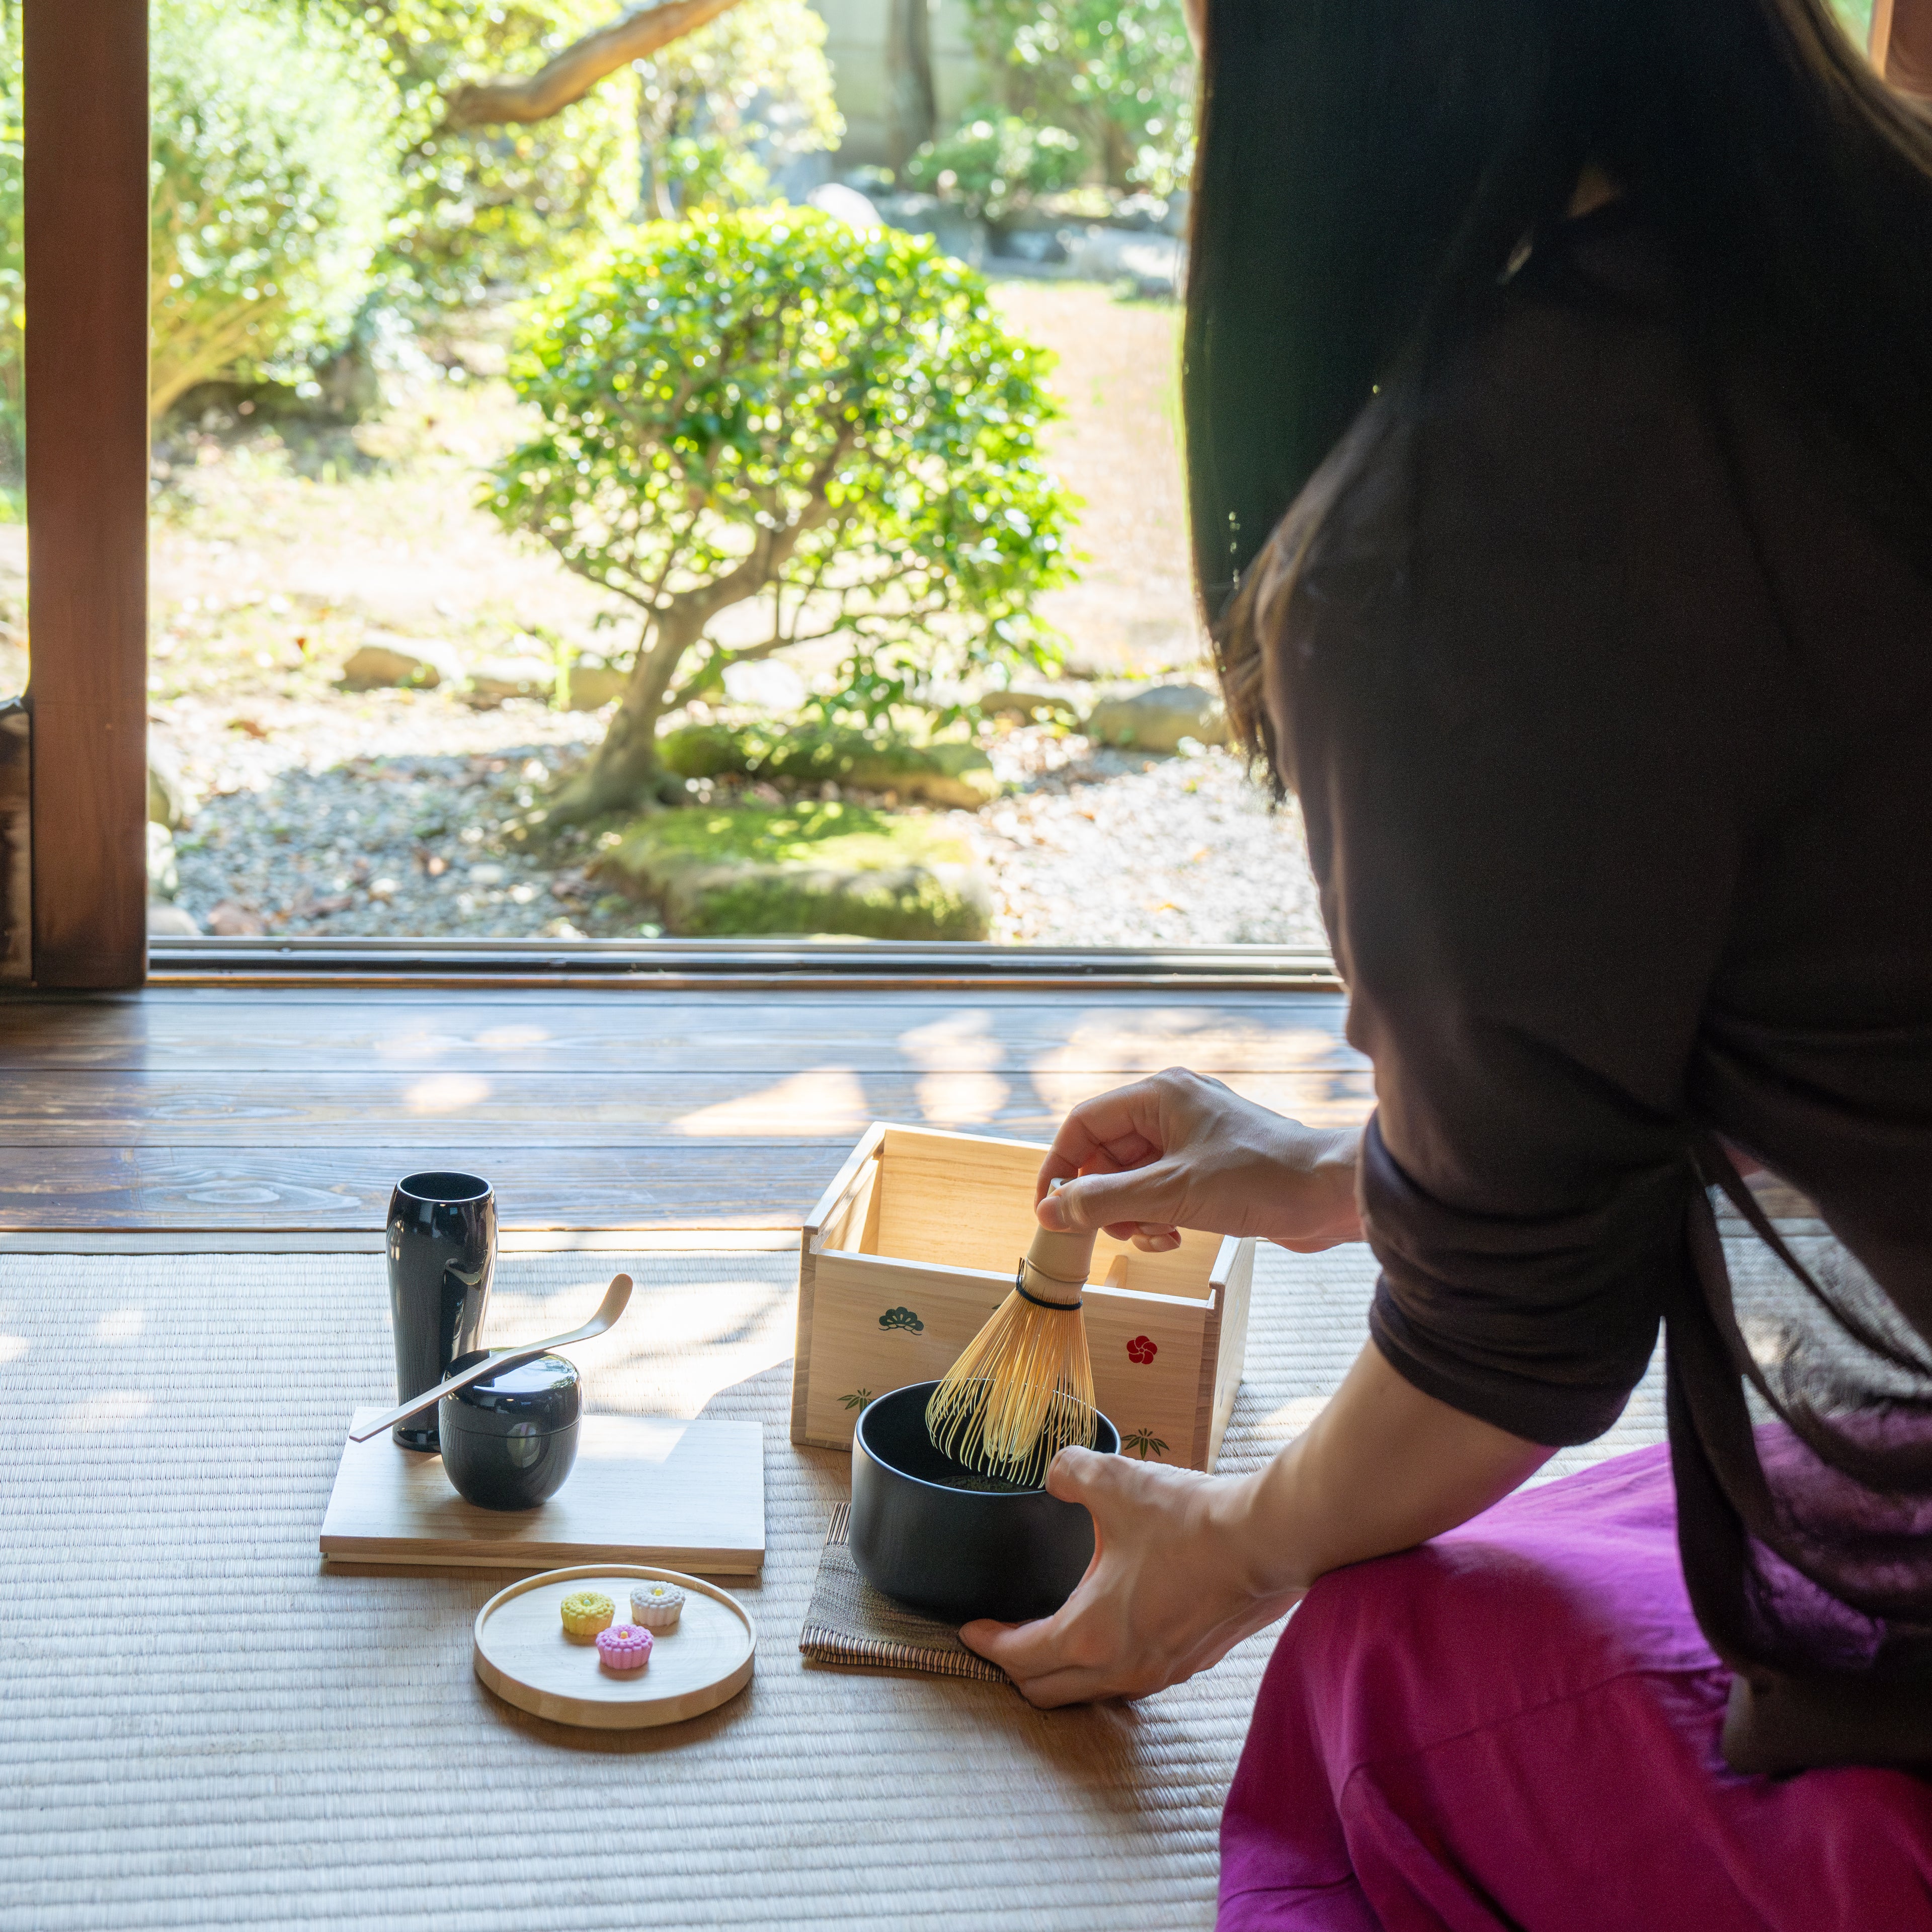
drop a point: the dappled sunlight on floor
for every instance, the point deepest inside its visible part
(822, 1100)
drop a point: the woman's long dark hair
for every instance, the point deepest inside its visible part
(1367, 168)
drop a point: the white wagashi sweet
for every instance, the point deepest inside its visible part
(656, 1606)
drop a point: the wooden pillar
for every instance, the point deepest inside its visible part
(1901, 44)
(86, 141)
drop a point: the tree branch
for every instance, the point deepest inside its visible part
(571, 74)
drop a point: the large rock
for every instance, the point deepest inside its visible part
(169, 921)
(399, 664)
(1153, 263)
(955, 231)
(711, 873)
(594, 685)
(1157, 718)
(1030, 706)
(495, 679)
(166, 804)
(232, 920)
(844, 204)
(948, 774)
(873, 902)
(163, 877)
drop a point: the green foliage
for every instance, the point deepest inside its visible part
(13, 243)
(1119, 73)
(508, 204)
(716, 107)
(773, 404)
(271, 187)
(995, 164)
(1855, 16)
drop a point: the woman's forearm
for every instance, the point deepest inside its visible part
(1383, 1467)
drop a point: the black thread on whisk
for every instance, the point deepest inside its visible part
(1019, 1289)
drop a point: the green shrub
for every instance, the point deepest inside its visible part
(1119, 73)
(718, 107)
(773, 405)
(1855, 17)
(272, 186)
(273, 179)
(994, 166)
(13, 242)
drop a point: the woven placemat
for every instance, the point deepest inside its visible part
(849, 1622)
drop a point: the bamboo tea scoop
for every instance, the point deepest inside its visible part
(617, 1298)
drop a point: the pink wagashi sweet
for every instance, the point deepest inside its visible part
(624, 1647)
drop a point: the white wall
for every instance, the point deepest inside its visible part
(856, 40)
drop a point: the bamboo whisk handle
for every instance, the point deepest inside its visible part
(1056, 1265)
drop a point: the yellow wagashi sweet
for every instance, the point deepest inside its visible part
(586, 1612)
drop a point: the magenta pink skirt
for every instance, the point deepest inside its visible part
(1515, 1728)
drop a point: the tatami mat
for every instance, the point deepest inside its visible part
(199, 1728)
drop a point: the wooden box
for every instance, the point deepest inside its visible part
(915, 1244)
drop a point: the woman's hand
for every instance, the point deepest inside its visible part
(1180, 1151)
(1169, 1592)
(1185, 1566)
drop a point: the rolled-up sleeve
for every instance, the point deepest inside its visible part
(1520, 680)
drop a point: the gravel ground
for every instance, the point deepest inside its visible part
(1105, 848)
(390, 814)
(383, 815)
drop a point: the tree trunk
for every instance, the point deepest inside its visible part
(912, 104)
(625, 772)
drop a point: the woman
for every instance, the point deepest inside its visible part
(1559, 387)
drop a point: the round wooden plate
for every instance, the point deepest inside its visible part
(522, 1654)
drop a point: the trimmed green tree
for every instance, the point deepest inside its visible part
(273, 185)
(772, 405)
(1119, 73)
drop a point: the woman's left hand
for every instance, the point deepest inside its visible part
(1170, 1591)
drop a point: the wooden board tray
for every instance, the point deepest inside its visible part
(521, 1653)
(646, 1490)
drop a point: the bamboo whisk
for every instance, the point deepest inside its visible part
(1022, 1389)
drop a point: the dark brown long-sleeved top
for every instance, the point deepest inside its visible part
(1610, 713)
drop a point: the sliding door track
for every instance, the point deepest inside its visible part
(750, 964)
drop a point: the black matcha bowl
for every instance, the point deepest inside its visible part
(938, 1536)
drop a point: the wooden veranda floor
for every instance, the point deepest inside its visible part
(268, 1108)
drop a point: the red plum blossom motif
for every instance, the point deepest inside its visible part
(1141, 1350)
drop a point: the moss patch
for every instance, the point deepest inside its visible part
(851, 836)
(951, 772)
(816, 867)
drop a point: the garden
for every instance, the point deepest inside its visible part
(584, 505)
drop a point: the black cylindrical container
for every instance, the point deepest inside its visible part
(959, 1551)
(443, 1253)
(508, 1440)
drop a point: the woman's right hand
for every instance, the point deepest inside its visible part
(1180, 1151)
